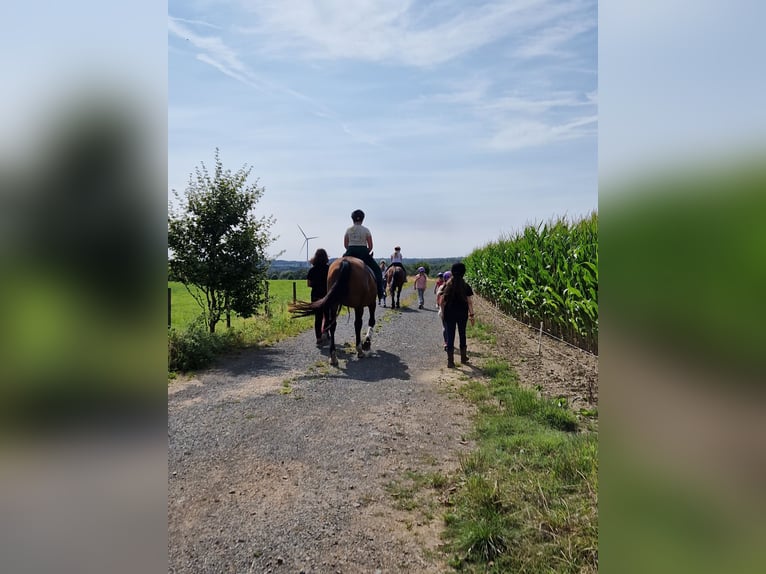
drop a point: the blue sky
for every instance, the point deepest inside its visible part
(449, 123)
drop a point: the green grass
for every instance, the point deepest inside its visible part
(185, 309)
(412, 492)
(526, 499)
(192, 348)
(481, 332)
(261, 329)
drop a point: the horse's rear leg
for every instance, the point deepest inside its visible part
(333, 353)
(358, 331)
(367, 344)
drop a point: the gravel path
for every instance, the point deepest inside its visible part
(278, 462)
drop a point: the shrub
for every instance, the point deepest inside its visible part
(195, 347)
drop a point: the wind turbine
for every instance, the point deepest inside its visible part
(306, 241)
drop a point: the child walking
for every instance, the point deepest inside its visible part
(420, 284)
(439, 282)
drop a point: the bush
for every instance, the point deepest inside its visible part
(196, 347)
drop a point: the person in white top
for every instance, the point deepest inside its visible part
(397, 259)
(358, 243)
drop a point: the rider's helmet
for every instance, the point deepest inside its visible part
(446, 275)
(397, 248)
(382, 262)
(421, 269)
(440, 274)
(357, 215)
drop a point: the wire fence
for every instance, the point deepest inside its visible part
(540, 331)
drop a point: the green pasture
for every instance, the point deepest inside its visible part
(272, 323)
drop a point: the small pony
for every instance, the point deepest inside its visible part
(351, 283)
(395, 277)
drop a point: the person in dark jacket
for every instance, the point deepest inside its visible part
(317, 280)
(457, 309)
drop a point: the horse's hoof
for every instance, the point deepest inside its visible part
(334, 360)
(367, 344)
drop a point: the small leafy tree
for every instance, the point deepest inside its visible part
(217, 244)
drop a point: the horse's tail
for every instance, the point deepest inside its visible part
(333, 298)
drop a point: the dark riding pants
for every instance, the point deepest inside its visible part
(455, 321)
(361, 252)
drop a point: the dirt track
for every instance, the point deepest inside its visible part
(278, 462)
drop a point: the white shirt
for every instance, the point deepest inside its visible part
(357, 235)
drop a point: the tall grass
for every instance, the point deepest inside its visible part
(526, 499)
(547, 273)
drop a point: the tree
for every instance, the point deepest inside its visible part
(217, 244)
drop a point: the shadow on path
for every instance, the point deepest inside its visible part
(380, 366)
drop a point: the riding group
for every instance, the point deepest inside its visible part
(356, 280)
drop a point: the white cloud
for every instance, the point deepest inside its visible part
(197, 23)
(550, 40)
(213, 50)
(519, 121)
(520, 134)
(535, 106)
(409, 32)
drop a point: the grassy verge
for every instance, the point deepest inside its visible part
(192, 347)
(526, 499)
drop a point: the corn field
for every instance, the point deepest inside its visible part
(547, 273)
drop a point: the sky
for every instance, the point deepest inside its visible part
(451, 124)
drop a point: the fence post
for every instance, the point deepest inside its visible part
(268, 307)
(540, 339)
(295, 292)
(168, 307)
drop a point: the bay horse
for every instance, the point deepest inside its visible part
(395, 277)
(350, 283)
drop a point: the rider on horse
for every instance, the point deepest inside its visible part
(358, 243)
(397, 259)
